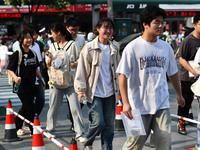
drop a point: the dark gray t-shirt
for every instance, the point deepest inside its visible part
(188, 49)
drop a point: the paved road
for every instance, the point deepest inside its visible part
(64, 135)
(6, 92)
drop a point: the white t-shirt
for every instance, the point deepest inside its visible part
(104, 86)
(15, 46)
(36, 49)
(145, 65)
(3, 52)
(80, 42)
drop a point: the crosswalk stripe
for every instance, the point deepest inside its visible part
(6, 92)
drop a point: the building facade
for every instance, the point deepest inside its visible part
(126, 17)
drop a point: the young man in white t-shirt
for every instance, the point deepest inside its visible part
(73, 25)
(142, 80)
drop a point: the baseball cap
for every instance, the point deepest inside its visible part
(185, 28)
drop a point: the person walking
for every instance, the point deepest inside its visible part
(3, 56)
(62, 42)
(73, 25)
(41, 41)
(25, 76)
(187, 52)
(143, 84)
(39, 89)
(185, 32)
(96, 80)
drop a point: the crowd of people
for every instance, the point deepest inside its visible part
(175, 39)
(69, 67)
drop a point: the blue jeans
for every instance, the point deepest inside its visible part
(102, 118)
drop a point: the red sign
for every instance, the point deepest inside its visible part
(10, 15)
(180, 14)
(45, 9)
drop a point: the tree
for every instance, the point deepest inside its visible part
(33, 5)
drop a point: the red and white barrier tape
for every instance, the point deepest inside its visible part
(184, 118)
(39, 129)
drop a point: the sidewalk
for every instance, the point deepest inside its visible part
(64, 135)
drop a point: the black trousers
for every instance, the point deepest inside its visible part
(27, 109)
(39, 99)
(45, 75)
(188, 95)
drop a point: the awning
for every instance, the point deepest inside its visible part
(140, 1)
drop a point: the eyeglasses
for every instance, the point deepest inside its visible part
(107, 28)
(158, 23)
(73, 29)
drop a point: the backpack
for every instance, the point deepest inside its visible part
(60, 68)
(10, 78)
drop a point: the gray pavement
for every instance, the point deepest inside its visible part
(64, 135)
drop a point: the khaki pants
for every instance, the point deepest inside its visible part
(160, 124)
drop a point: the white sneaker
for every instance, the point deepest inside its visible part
(81, 139)
(87, 148)
(20, 132)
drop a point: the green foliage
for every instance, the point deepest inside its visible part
(57, 4)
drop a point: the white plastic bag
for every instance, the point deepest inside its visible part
(135, 126)
(195, 87)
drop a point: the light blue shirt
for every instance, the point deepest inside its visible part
(15, 46)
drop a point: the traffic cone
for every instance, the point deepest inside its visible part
(73, 145)
(10, 127)
(37, 143)
(118, 119)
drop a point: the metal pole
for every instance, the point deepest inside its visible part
(110, 9)
(95, 15)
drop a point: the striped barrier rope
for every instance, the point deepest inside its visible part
(184, 118)
(39, 129)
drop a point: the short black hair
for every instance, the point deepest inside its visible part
(196, 19)
(57, 27)
(22, 36)
(96, 32)
(107, 21)
(4, 42)
(73, 21)
(150, 13)
(31, 29)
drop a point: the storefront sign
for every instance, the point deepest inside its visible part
(181, 14)
(45, 9)
(10, 15)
